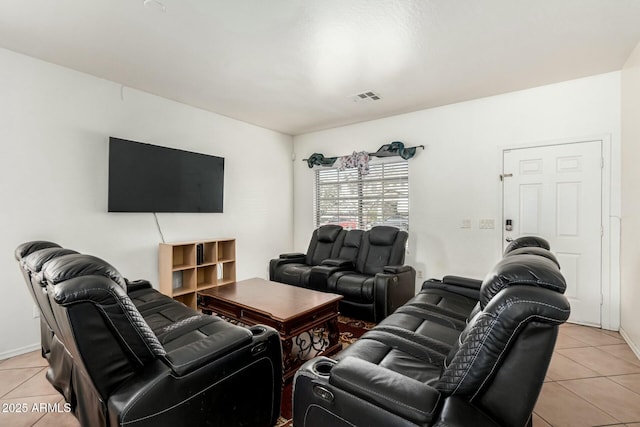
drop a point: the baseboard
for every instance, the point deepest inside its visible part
(630, 343)
(19, 351)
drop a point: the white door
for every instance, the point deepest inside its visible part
(555, 192)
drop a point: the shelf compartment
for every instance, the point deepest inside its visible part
(226, 250)
(210, 252)
(183, 279)
(206, 276)
(226, 272)
(188, 299)
(184, 256)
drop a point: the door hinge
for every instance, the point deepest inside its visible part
(505, 175)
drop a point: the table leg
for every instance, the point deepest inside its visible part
(289, 362)
(334, 344)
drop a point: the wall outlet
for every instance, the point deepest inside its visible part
(36, 312)
(487, 224)
(420, 274)
(466, 223)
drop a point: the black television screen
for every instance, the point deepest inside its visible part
(149, 178)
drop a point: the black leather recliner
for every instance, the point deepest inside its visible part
(159, 364)
(32, 256)
(484, 372)
(295, 268)
(378, 283)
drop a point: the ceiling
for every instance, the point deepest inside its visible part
(295, 65)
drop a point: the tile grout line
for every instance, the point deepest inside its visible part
(608, 355)
(38, 420)
(623, 386)
(559, 382)
(31, 377)
(592, 404)
(608, 377)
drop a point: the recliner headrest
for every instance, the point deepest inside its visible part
(353, 238)
(76, 265)
(527, 241)
(36, 260)
(534, 250)
(329, 233)
(383, 235)
(527, 270)
(30, 247)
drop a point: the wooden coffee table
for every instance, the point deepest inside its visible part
(290, 310)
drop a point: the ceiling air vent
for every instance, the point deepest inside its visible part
(368, 96)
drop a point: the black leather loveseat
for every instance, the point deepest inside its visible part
(365, 267)
(425, 366)
(122, 354)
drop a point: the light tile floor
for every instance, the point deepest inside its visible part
(593, 380)
(25, 393)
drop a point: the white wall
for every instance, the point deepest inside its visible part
(54, 127)
(630, 223)
(457, 175)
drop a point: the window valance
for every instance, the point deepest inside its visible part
(360, 159)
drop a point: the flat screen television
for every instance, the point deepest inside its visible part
(150, 178)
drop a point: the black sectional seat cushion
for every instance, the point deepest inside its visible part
(440, 328)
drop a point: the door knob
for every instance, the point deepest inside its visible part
(509, 239)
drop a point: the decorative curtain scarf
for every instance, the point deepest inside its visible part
(359, 160)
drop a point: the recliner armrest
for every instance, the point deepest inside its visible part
(338, 263)
(396, 269)
(465, 282)
(394, 392)
(319, 275)
(288, 258)
(393, 288)
(454, 288)
(192, 356)
(292, 255)
(135, 285)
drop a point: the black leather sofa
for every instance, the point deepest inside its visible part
(457, 296)
(122, 354)
(432, 365)
(365, 267)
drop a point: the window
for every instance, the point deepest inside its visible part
(353, 200)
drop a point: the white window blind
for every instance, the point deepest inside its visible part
(353, 200)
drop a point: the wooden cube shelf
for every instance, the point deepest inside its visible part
(188, 267)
